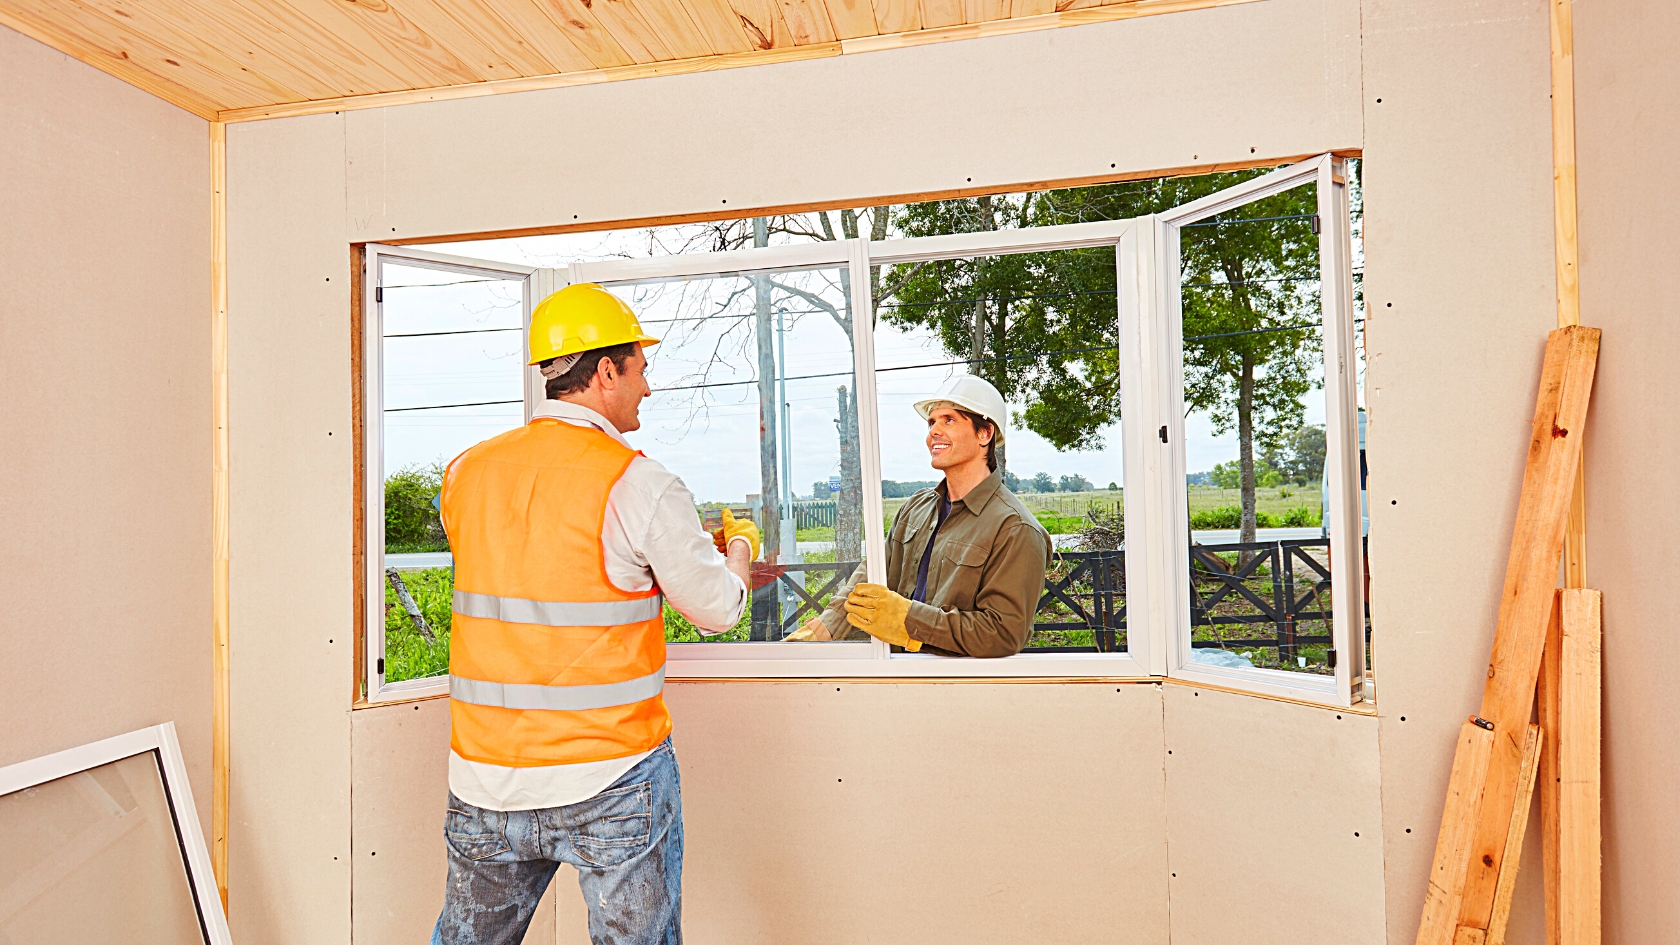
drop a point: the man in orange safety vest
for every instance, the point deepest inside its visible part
(568, 544)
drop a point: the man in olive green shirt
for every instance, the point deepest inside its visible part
(965, 559)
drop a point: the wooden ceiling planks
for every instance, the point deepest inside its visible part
(241, 60)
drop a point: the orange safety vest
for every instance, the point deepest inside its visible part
(549, 663)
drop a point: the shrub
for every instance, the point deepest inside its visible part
(411, 521)
(1225, 516)
(1301, 517)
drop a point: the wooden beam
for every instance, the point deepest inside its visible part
(1526, 602)
(1452, 846)
(219, 495)
(1547, 698)
(1514, 837)
(1566, 235)
(1580, 713)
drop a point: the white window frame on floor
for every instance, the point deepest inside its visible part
(373, 440)
(172, 769)
(1169, 548)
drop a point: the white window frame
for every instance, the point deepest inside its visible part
(1155, 498)
(172, 768)
(373, 441)
(1170, 549)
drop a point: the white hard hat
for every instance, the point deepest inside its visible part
(973, 394)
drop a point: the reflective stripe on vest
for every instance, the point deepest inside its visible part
(561, 698)
(610, 613)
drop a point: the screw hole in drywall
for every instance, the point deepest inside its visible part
(1402, 718)
(1111, 165)
(1390, 304)
(1356, 833)
(1169, 751)
(1379, 101)
(1408, 830)
(1250, 150)
(1338, 716)
(1393, 501)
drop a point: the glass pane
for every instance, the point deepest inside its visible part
(755, 407)
(1043, 329)
(453, 368)
(94, 858)
(1254, 434)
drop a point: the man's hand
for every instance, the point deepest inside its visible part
(732, 530)
(879, 612)
(811, 631)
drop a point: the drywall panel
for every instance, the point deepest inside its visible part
(400, 770)
(842, 813)
(1459, 295)
(401, 787)
(105, 428)
(839, 812)
(292, 486)
(1277, 78)
(1274, 822)
(1626, 94)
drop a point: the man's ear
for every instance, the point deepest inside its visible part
(607, 370)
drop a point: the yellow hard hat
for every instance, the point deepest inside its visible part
(580, 318)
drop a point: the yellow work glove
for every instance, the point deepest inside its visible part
(812, 631)
(880, 613)
(732, 530)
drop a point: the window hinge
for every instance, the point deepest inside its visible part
(1315, 224)
(382, 666)
(1332, 659)
(379, 290)
(1163, 434)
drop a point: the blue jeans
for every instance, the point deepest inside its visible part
(626, 842)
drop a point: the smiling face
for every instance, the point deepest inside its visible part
(952, 441)
(622, 393)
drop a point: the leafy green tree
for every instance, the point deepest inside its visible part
(1298, 455)
(1074, 483)
(1042, 483)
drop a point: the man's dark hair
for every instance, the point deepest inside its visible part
(579, 376)
(981, 424)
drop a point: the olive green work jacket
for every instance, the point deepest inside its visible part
(984, 578)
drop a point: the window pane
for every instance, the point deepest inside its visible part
(1254, 434)
(453, 368)
(94, 858)
(1043, 329)
(755, 407)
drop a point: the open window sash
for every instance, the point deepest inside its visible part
(1168, 536)
(379, 261)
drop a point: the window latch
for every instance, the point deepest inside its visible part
(1316, 225)
(1332, 659)
(1163, 434)
(379, 290)
(382, 666)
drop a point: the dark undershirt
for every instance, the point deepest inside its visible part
(927, 554)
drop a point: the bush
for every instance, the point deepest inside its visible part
(1230, 516)
(1225, 516)
(411, 521)
(1301, 517)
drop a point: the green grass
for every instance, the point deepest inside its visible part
(407, 654)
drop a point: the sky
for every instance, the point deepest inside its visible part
(703, 420)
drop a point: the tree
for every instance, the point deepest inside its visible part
(1043, 483)
(411, 520)
(1044, 327)
(1299, 455)
(1074, 483)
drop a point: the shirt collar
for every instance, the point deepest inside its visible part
(563, 410)
(978, 496)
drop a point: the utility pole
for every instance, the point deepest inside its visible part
(766, 612)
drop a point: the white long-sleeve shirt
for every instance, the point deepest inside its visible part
(651, 535)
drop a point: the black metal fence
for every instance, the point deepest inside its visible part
(1275, 584)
